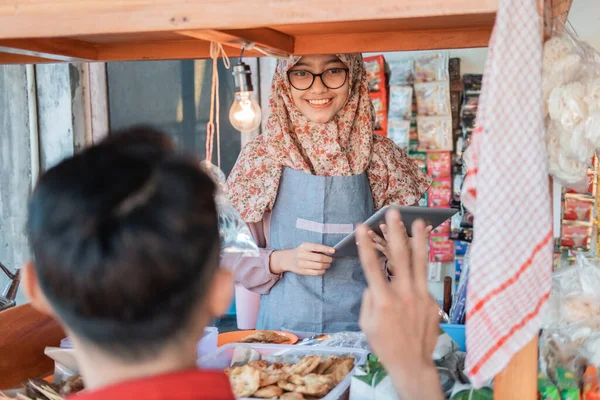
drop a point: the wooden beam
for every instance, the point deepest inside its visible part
(393, 41)
(59, 49)
(161, 50)
(519, 378)
(25, 334)
(43, 18)
(265, 37)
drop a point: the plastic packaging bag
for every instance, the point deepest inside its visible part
(433, 98)
(571, 90)
(458, 312)
(432, 67)
(402, 72)
(400, 105)
(235, 234)
(399, 131)
(435, 133)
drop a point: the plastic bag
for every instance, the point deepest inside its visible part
(432, 67)
(399, 132)
(402, 72)
(435, 133)
(400, 105)
(349, 340)
(235, 234)
(571, 90)
(433, 98)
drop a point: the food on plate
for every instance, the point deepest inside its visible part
(266, 337)
(245, 381)
(39, 389)
(313, 384)
(292, 396)
(307, 365)
(269, 392)
(310, 377)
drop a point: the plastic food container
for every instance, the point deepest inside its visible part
(209, 341)
(221, 359)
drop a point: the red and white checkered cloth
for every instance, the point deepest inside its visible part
(507, 189)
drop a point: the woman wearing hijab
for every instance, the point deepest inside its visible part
(303, 185)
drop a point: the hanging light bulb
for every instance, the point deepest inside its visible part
(245, 114)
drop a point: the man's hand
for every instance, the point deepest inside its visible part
(401, 318)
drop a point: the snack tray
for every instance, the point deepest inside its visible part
(221, 359)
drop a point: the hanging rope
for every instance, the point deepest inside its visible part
(216, 50)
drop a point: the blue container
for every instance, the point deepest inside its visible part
(457, 334)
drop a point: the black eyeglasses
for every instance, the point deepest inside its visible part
(333, 78)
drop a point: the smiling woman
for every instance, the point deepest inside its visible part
(319, 86)
(302, 186)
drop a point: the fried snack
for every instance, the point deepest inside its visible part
(245, 380)
(261, 364)
(313, 384)
(324, 365)
(271, 375)
(266, 337)
(340, 368)
(291, 396)
(306, 366)
(268, 392)
(287, 386)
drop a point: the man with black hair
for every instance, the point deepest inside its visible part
(126, 246)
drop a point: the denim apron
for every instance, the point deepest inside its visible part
(317, 209)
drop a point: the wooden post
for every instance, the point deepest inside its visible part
(518, 381)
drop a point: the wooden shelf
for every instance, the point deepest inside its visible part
(114, 30)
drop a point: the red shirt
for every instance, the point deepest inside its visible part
(184, 385)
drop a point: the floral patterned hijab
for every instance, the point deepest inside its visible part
(342, 147)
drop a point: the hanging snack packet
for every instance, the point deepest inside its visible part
(440, 193)
(420, 158)
(578, 208)
(442, 230)
(375, 67)
(400, 105)
(441, 249)
(546, 389)
(235, 234)
(576, 235)
(433, 98)
(470, 106)
(435, 133)
(472, 83)
(590, 188)
(567, 384)
(399, 132)
(439, 164)
(591, 391)
(459, 262)
(380, 106)
(432, 67)
(402, 72)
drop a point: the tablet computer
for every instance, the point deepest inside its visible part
(432, 216)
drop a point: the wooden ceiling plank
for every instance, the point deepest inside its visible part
(393, 41)
(59, 49)
(43, 18)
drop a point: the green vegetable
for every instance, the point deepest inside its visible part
(375, 373)
(475, 394)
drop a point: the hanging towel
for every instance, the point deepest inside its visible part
(507, 190)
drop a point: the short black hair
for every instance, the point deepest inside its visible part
(125, 241)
